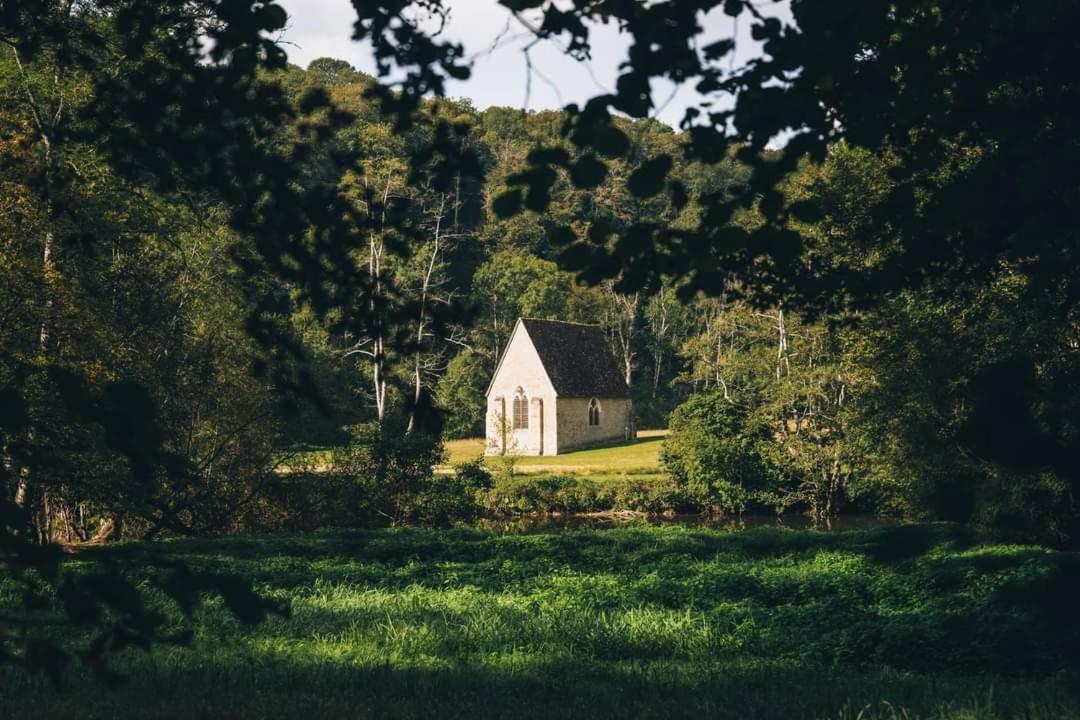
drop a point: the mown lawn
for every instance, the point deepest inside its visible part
(639, 457)
(905, 622)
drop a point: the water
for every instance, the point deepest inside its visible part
(542, 523)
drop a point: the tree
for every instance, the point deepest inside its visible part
(714, 452)
(461, 395)
(96, 151)
(793, 384)
(511, 285)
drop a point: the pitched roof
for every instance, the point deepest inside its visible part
(577, 358)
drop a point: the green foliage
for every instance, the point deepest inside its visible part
(461, 395)
(455, 497)
(925, 439)
(631, 622)
(392, 470)
(548, 494)
(714, 453)
(143, 281)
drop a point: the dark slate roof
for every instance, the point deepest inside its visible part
(577, 358)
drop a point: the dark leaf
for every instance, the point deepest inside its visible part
(588, 172)
(314, 99)
(649, 178)
(706, 145)
(548, 156)
(634, 97)
(718, 49)
(731, 239)
(808, 211)
(508, 204)
(770, 28)
(578, 256)
(519, 5)
(772, 203)
(679, 196)
(540, 180)
(561, 235)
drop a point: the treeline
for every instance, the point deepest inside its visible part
(156, 355)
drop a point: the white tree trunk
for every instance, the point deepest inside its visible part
(425, 288)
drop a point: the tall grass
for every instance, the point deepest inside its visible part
(641, 621)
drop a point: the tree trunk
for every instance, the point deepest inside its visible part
(378, 340)
(425, 287)
(46, 125)
(782, 364)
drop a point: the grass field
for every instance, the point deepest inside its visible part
(907, 622)
(639, 457)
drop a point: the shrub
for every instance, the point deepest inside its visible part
(472, 474)
(653, 496)
(530, 494)
(306, 501)
(512, 495)
(713, 453)
(454, 497)
(391, 469)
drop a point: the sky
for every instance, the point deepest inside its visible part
(323, 28)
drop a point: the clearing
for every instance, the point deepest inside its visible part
(638, 457)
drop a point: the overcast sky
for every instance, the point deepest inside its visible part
(322, 28)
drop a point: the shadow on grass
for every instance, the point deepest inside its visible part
(522, 685)
(637, 442)
(634, 621)
(918, 598)
(887, 544)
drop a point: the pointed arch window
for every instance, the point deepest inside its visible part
(594, 413)
(521, 411)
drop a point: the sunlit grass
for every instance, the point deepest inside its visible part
(639, 457)
(915, 621)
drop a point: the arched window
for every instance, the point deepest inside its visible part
(521, 410)
(594, 412)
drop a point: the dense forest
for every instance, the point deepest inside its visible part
(772, 406)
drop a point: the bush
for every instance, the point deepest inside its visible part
(653, 496)
(306, 501)
(391, 469)
(532, 494)
(454, 497)
(473, 474)
(713, 452)
(524, 494)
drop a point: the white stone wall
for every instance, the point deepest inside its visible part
(573, 422)
(521, 367)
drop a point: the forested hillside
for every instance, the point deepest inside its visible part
(786, 407)
(468, 273)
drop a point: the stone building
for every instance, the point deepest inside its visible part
(557, 388)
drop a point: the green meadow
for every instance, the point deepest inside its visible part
(638, 457)
(917, 621)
